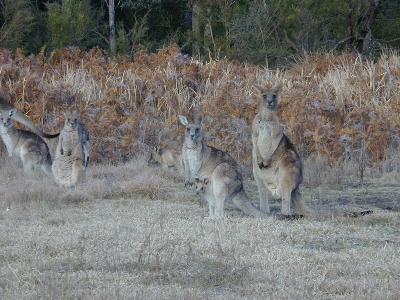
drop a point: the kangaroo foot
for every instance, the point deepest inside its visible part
(288, 217)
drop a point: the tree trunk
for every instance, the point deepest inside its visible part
(196, 31)
(350, 25)
(369, 19)
(111, 21)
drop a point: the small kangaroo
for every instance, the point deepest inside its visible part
(72, 153)
(167, 157)
(29, 147)
(277, 167)
(69, 139)
(225, 181)
(5, 107)
(202, 188)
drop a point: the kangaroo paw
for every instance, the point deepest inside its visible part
(188, 184)
(359, 213)
(264, 164)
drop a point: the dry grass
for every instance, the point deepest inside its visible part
(131, 231)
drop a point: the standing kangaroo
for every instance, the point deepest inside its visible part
(21, 118)
(28, 146)
(72, 153)
(277, 167)
(225, 182)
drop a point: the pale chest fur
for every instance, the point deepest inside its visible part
(264, 139)
(270, 133)
(8, 141)
(69, 140)
(193, 161)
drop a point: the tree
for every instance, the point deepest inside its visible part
(16, 22)
(72, 23)
(112, 5)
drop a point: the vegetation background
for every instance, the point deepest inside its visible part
(256, 31)
(337, 60)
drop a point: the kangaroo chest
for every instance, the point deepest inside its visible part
(8, 141)
(70, 140)
(193, 161)
(264, 135)
(268, 139)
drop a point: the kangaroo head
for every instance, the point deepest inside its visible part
(71, 120)
(155, 156)
(194, 132)
(6, 119)
(201, 185)
(268, 97)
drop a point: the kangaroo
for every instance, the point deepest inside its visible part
(68, 137)
(29, 147)
(225, 181)
(277, 167)
(203, 189)
(72, 152)
(167, 157)
(21, 118)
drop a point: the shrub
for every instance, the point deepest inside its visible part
(72, 23)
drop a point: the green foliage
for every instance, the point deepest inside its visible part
(258, 35)
(138, 4)
(256, 31)
(72, 23)
(153, 23)
(272, 30)
(16, 23)
(128, 41)
(123, 46)
(387, 26)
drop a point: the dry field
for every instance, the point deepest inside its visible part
(134, 232)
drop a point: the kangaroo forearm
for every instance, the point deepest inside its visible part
(256, 151)
(186, 170)
(258, 155)
(277, 131)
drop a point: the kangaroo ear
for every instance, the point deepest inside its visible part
(12, 112)
(277, 89)
(184, 121)
(259, 88)
(199, 120)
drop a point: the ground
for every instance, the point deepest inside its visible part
(131, 231)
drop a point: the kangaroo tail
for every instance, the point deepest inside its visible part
(242, 202)
(302, 209)
(20, 117)
(299, 205)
